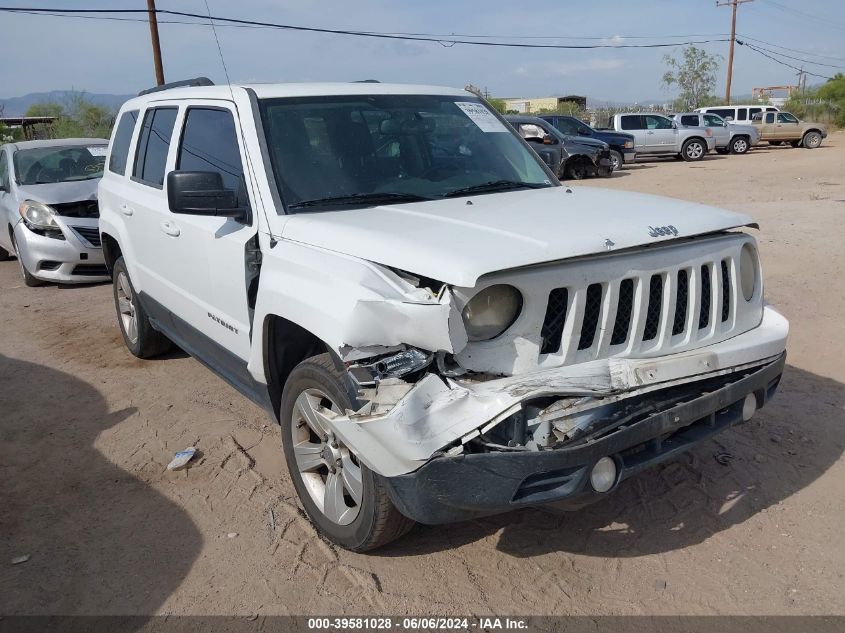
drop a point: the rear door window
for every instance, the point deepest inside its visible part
(742, 114)
(689, 119)
(120, 145)
(632, 122)
(153, 146)
(210, 143)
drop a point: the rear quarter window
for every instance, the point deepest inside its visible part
(120, 145)
(153, 145)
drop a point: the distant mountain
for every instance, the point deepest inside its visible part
(17, 106)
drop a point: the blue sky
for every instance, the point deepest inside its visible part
(48, 53)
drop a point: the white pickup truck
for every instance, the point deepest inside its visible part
(658, 135)
(441, 328)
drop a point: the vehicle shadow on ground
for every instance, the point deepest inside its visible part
(783, 449)
(100, 540)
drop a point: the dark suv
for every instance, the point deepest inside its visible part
(621, 144)
(570, 157)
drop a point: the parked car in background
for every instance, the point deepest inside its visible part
(570, 157)
(738, 113)
(737, 139)
(658, 135)
(49, 211)
(782, 127)
(621, 144)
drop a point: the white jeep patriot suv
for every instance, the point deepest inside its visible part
(441, 328)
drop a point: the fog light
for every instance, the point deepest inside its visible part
(749, 407)
(603, 475)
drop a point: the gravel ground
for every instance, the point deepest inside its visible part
(86, 431)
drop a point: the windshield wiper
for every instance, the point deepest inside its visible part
(494, 185)
(360, 198)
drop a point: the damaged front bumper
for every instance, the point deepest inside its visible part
(455, 488)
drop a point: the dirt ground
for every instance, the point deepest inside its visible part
(86, 431)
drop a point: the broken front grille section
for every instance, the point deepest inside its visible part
(555, 320)
(592, 312)
(646, 312)
(681, 301)
(624, 311)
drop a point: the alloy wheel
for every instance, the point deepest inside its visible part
(330, 472)
(740, 146)
(694, 150)
(126, 308)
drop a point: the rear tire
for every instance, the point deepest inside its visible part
(140, 337)
(739, 145)
(811, 140)
(28, 278)
(326, 473)
(693, 150)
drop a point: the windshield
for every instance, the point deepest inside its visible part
(377, 149)
(45, 165)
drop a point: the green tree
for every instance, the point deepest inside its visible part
(694, 76)
(77, 117)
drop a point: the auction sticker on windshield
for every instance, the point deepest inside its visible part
(481, 116)
(98, 150)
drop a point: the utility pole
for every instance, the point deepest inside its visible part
(151, 13)
(733, 4)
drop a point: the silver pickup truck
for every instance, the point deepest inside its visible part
(734, 139)
(658, 135)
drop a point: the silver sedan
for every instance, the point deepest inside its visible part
(49, 216)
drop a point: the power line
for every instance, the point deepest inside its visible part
(49, 12)
(782, 63)
(804, 14)
(786, 48)
(444, 41)
(798, 59)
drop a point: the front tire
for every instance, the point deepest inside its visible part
(693, 150)
(739, 145)
(616, 160)
(811, 140)
(28, 278)
(140, 337)
(345, 500)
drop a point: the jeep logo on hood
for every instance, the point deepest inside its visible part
(657, 231)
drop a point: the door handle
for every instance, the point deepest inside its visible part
(170, 228)
(125, 209)
(650, 132)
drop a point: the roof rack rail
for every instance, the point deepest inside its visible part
(196, 81)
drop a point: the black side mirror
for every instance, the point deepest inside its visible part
(202, 193)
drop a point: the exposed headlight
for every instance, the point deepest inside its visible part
(749, 271)
(629, 144)
(491, 312)
(38, 215)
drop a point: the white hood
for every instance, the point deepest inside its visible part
(456, 242)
